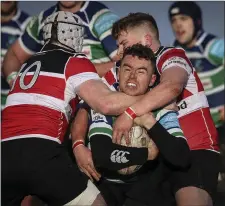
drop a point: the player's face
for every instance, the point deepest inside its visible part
(7, 7)
(68, 4)
(183, 28)
(135, 75)
(129, 38)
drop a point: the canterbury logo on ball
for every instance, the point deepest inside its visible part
(118, 156)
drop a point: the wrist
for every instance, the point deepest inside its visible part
(130, 113)
(77, 143)
(11, 77)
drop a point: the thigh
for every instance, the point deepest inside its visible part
(203, 172)
(58, 179)
(112, 192)
(13, 179)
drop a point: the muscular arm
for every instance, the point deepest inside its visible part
(100, 98)
(103, 68)
(80, 125)
(14, 58)
(171, 85)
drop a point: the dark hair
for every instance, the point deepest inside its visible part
(141, 51)
(134, 20)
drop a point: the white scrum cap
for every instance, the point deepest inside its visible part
(66, 28)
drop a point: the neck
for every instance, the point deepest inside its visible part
(191, 43)
(73, 9)
(6, 18)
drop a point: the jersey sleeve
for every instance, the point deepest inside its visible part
(173, 57)
(31, 39)
(216, 51)
(100, 124)
(101, 26)
(79, 70)
(168, 119)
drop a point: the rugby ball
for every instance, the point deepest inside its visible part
(138, 138)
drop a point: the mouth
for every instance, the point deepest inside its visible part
(180, 33)
(131, 85)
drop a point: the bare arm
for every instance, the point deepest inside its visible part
(171, 85)
(81, 153)
(14, 58)
(103, 68)
(101, 99)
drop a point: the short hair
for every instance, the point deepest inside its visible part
(134, 20)
(141, 51)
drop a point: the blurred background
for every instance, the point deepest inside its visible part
(213, 14)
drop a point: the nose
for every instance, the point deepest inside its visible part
(132, 75)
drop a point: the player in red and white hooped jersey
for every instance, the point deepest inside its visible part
(38, 109)
(193, 106)
(178, 82)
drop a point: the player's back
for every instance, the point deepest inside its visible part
(40, 101)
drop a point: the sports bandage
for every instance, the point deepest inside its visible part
(77, 143)
(11, 77)
(130, 113)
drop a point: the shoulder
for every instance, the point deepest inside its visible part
(80, 63)
(94, 7)
(48, 11)
(98, 13)
(23, 17)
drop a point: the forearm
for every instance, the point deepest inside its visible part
(106, 154)
(103, 68)
(160, 96)
(174, 150)
(101, 99)
(80, 125)
(14, 59)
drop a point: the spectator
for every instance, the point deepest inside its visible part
(99, 46)
(13, 23)
(206, 52)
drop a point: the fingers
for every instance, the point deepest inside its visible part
(90, 171)
(87, 173)
(119, 137)
(127, 138)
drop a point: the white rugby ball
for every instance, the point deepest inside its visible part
(138, 138)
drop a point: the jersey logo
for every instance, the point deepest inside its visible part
(118, 156)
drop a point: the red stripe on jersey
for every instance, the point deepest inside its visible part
(169, 54)
(32, 119)
(73, 104)
(199, 129)
(46, 85)
(109, 77)
(198, 82)
(184, 94)
(78, 65)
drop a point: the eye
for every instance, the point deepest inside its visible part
(141, 71)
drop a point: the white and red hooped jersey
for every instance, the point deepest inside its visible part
(43, 96)
(194, 114)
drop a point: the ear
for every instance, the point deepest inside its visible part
(148, 39)
(153, 79)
